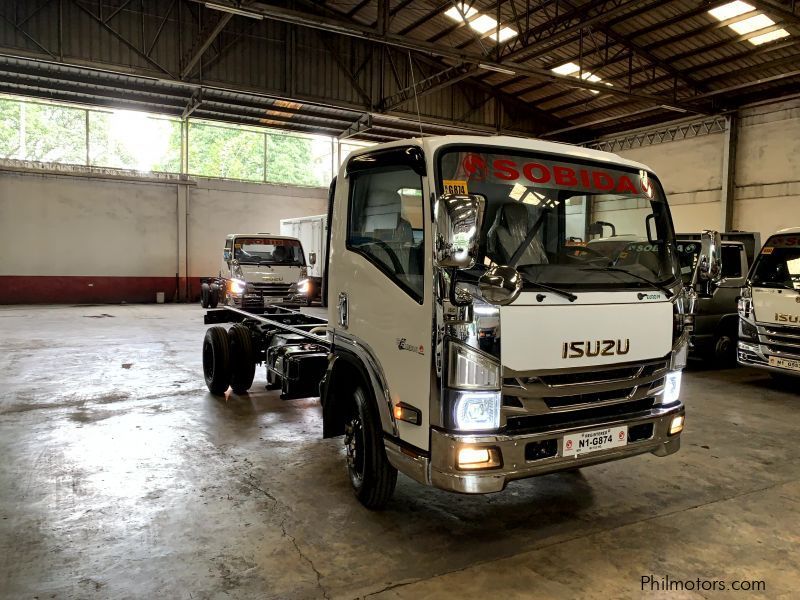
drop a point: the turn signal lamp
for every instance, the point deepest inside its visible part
(409, 414)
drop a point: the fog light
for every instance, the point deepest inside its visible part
(470, 458)
(677, 425)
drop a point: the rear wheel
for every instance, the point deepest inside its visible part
(205, 294)
(372, 476)
(242, 358)
(216, 360)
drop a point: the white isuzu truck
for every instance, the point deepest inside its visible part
(769, 307)
(257, 269)
(475, 334)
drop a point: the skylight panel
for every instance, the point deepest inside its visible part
(730, 10)
(752, 24)
(590, 77)
(466, 10)
(768, 37)
(566, 69)
(505, 33)
(483, 24)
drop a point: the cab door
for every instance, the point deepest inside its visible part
(380, 278)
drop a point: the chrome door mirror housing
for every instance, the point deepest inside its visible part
(708, 273)
(457, 226)
(500, 284)
(312, 258)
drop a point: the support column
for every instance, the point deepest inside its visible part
(182, 293)
(729, 171)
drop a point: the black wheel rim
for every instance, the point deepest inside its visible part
(354, 446)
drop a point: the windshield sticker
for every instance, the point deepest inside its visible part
(479, 167)
(455, 186)
(767, 250)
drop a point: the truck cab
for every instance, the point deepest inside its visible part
(716, 326)
(256, 269)
(478, 334)
(769, 308)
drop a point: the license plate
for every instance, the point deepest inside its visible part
(592, 441)
(784, 363)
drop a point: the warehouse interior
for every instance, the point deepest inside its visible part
(135, 135)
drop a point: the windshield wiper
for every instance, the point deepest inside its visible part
(564, 293)
(667, 292)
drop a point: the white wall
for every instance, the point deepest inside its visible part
(217, 208)
(77, 238)
(691, 173)
(767, 195)
(768, 168)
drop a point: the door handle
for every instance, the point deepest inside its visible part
(343, 312)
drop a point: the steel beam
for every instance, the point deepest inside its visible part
(729, 171)
(204, 41)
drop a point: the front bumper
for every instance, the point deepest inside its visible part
(752, 354)
(442, 471)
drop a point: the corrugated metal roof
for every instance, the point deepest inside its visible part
(671, 51)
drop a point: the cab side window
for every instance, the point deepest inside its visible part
(731, 261)
(385, 224)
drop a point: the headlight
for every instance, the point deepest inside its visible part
(747, 330)
(471, 370)
(744, 303)
(237, 286)
(476, 411)
(304, 286)
(672, 387)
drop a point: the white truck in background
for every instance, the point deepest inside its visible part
(475, 335)
(769, 308)
(257, 269)
(313, 235)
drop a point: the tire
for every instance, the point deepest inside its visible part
(205, 293)
(213, 298)
(242, 358)
(724, 351)
(216, 360)
(372, 476)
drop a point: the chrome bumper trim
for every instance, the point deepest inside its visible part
(443, 473)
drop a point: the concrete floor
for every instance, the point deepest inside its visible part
(121, 477)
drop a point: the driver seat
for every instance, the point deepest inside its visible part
(508, 232)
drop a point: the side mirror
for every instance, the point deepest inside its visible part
(458, 225)
(312, 258)
(500, 285)
(709, 264)
(226, 255)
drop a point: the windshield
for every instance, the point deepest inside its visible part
(566, 223)
(778, 265)
(268, 251)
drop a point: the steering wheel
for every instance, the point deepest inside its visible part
(398, 267)
(573, 253)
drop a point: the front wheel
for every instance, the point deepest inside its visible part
(372, 476)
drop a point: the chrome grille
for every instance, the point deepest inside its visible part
(272, 289)
(780, 341)
(579, 391)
